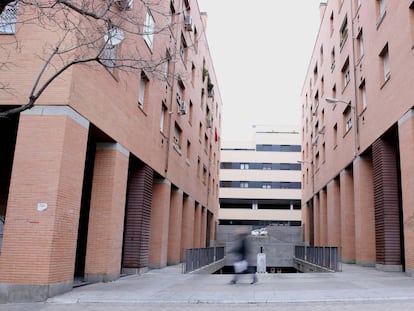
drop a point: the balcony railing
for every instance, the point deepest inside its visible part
(196, 258)
(325, 257)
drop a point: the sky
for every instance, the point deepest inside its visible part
(261, 51)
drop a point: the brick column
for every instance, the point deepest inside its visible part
(364, 212)
(187, 238)
(160, 217)
(203, 227)
(306, 221)
(39, 245)
(107, 210)
(197, 226)
(406, 139)
(347, 217)
(316, 221)
(174, 234)
(323, 239)
(333, 213)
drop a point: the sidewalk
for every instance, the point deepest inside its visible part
(360, 288)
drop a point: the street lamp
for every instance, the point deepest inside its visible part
(331, 100)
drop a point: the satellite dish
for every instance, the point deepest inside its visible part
(114, 36)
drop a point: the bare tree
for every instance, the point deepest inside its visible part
(87, 32)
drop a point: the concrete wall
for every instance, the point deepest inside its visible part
(278, 245)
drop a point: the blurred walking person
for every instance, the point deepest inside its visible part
(242, 251)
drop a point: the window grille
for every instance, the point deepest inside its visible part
(8, 19)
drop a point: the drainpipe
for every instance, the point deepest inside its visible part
(356, 116)
(170, 108)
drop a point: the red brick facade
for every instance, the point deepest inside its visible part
(92, 184)
(357, 133)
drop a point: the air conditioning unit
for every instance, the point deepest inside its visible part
(188, 23)
(315, 141)
(182, 108)
(321, 129)
(209, 122)
(124, 4)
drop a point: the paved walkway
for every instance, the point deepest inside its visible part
(355, 288)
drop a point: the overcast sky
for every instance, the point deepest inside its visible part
(261, 50)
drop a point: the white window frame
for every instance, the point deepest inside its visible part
(348, 120)
(244, 184)
(382, 8)
(344, 31)
(361, 44)
(363, 91)
(244, 166)
(143, 83)
(8, 19)
(267, 185)
(387, 70)
(385, 58)
(149, 28)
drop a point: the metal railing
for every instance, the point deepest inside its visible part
(326, 257)
(196, 258)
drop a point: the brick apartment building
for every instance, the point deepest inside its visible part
(110, 172)
(358, 133)
(260, 180)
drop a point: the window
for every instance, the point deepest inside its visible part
(177, 137)
(186, 6)
(412, 23)
(198, 166)
(171, 17)
(331, 20)
(205, 142)
(363, 95)
(244, 184)
(323, 155)
(322, 86)
(204, 174)
(317, 161)
(183, 49)
(195, 40)
(385, 59)
(346, 75)
(343, 32)
(167, 65)
(335, 135)
(266, 185)
(360, 45)
(143, 85)
(321, 54)
(193, 72)
(164, 113)
(348, 119)
(267, 166)
(381, 9)
(149, 27)
(333, 59)
(8, 19)
(188, 150)
(190, 112)
(244, 166)
(315, 72)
